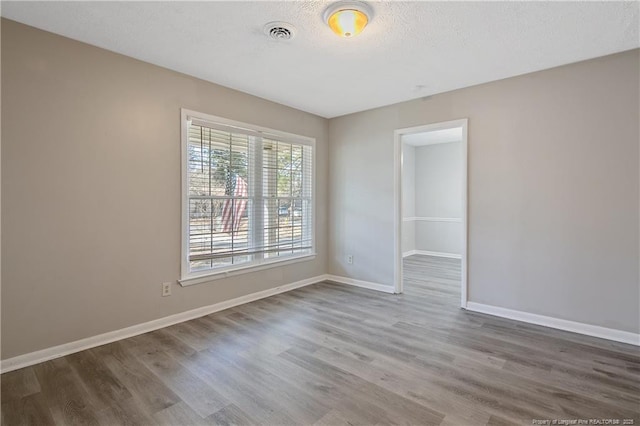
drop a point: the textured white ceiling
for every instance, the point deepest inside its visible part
(433, 137)
(437, 46)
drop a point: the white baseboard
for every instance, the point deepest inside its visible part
(47, 354)
(560, 324)
(432, 253)
(359, 283)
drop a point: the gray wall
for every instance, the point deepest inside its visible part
(408, 197)
(553, 190)
(0, 182)
(438, 194)
(438, 174)
(91, 140)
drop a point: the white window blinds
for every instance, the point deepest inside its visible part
(249, 197)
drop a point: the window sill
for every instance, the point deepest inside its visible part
(217, 275)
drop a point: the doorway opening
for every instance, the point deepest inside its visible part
(430, 196)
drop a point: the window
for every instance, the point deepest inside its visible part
(247, 196)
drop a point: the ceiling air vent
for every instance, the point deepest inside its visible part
(279, 30)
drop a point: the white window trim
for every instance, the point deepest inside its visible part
(216, 274)
(187, 278)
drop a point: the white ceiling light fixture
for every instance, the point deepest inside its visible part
(348, 18)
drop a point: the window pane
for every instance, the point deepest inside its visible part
(216, 158)
(296, 170)
(231, 222)
(217, 228)
(284, 169)
(296, 184)
(287, 168)
(202, 225)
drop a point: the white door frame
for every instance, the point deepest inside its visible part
(397, 199)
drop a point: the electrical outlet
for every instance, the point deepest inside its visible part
(350, 259)
(166, 289)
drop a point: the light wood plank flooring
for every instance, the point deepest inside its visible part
(330, 354)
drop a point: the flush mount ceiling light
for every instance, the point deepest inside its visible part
(348, 18)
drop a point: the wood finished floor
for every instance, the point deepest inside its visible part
(331, 354)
